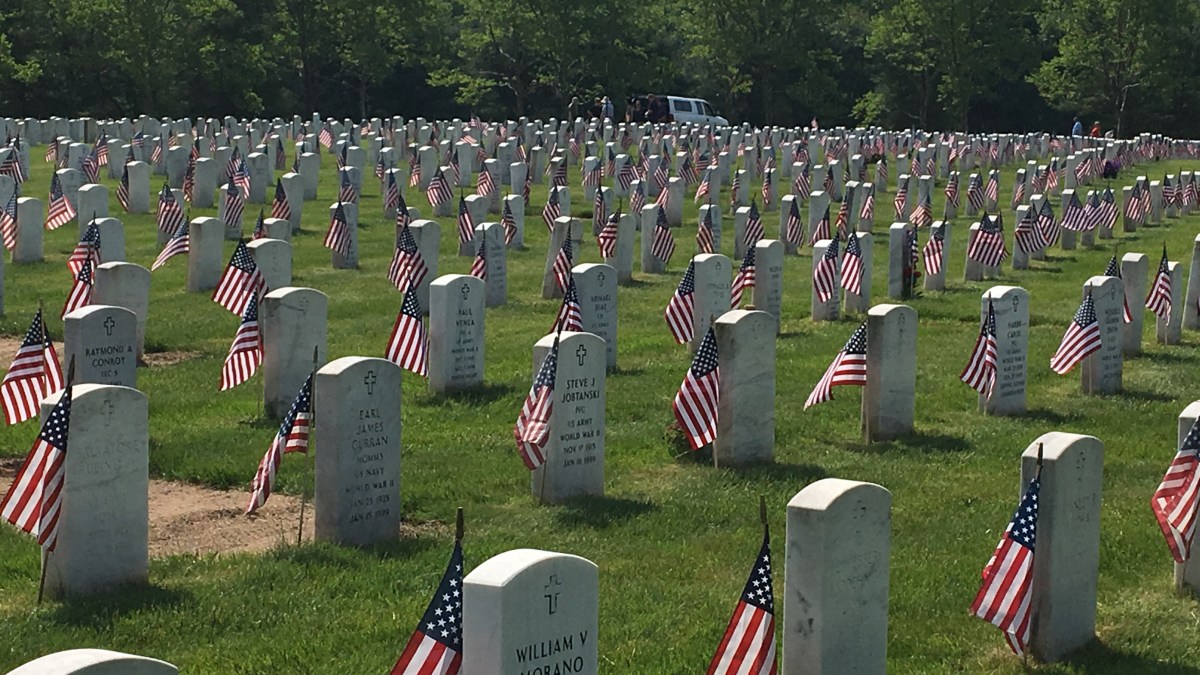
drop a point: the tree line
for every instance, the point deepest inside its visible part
(939, 64)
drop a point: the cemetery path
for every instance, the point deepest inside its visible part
(189, 519)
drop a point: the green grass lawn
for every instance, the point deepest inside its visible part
(673, 537)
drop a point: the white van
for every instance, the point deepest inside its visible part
(694, 111)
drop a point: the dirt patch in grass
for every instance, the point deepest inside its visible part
(187, 518)
(158, 359)
(8, 350)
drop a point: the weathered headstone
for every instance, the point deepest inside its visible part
(206, 237)
(94, 662)
(1066, 562)
(123, 284)
(530, 611)
(496, 283)
(273, 258)
(622, 264)
(139, 187)
(102, 339)
(428, 235)
(889, 397)
(835, 613)
(292, 322)
(456, 324)
(356, 403)
(103, 524)
(831, 308)
(348, 261)
(1011, 307)
(713, 278)
(596, 285)
(1101, 372)
(860, 303)
(1133, 275)
(768, 280)
(1191, 310)
(1170, 332)
(29, 231)
(746, 401)
(293, 190)
(92, 203)
(574, 454)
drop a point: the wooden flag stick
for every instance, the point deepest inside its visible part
(458, 526)
(312, 424)
(762, 510)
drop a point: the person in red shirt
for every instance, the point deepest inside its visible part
(1095, 132)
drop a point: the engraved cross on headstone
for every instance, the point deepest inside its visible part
(466, 290)
(369, 380)
(580, 353)
(552, 596)
(108, 325)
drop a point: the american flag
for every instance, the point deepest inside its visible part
(510, 224)
(325, 137)
(849, 368)
(81, 291)
(802, 183)
(532, 430)
(900, 201)
(952, 191)
(1158, 300)
(338, 237)
(867, 212)
(189, 180)
(178, 244)
(768, 187)
(1004, 598)
(852, 265)
(637, 199)
(408, 266)
(12, 168)
(1108, 207)
(561, 267)
(245, 354)
(279, 206)
(626, 175)
(241, 281)
(347, 193)
(663, 245)
(280, 155)
(922, 215)
(1177, 499)
(825, 274)
(435, 647)
(607, 238)
(88, 248)
(170, 213)
(485, 185)
(599, 210)
(100, 151)
(123, 189)
(881, 171)
(138, 141)
(34, 500)
(591, 177)
(975, 192)
(934, 251)
(744, 279)
(748, 646)
(156, 154)
(1027, 235)
(688, 171)
(992, 190)
(479, 266)
(439, 191)
(821, 231)
(1052, 176)
(392, 198)
(414, 175)
(705, 243)
(703, 188)
(59, 212)
(552, 210)
(988, 247)
(570, 314)
(560, 174)
(695, 404)
(51, 151)
(754, 226)
(1018, 197)
(260, 227)
(408, 346)
(794, 228)
(735, 188)
(1114, 270)
(1144, 200)
(291, 437)
(235, 204)
(679, 312)
(241, 178)
(980, 373)
(90, 168)
(1081, 339)
(1133, 203)
(1170, 194)
(35, 373)
(1073, 216)
(1047, 225)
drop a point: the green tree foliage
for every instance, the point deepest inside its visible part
(962, 64)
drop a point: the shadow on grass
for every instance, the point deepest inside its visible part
(99, 612)
(1143, 395)
(1097, 657)
(600, 512)
(319, 554)
(487, 392)
(1045, 415)
(1169, 358)
(625, 371)
(799, 474)
(918, 441)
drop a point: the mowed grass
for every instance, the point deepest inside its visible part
(673, 537)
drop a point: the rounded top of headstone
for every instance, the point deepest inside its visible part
(501, 569)
(886, 309)
(347, 363)
(86, 313)
(475, 283)
(546, 341)
(267, 242)
(1056, 444)
(1134, 257)
(122, 267)
(997, 292)
(298, 291)
(94, 662)
(737, 316)
(825, 492)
